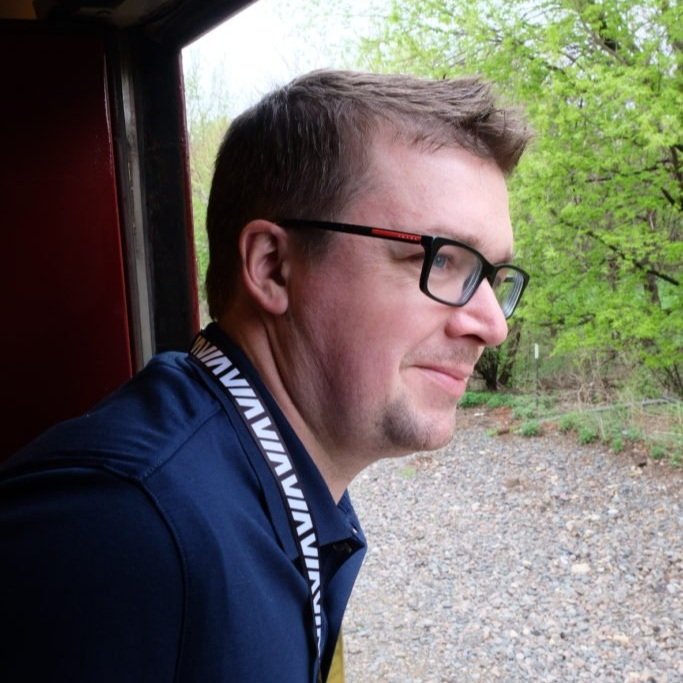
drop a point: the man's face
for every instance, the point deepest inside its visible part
(374, 366)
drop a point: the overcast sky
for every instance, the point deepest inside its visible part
(272, 41)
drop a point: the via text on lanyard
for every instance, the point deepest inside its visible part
(256, 416)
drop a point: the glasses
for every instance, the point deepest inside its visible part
(451, 271)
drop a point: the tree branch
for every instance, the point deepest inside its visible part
(640, 265)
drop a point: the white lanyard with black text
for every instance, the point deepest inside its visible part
(262, 427)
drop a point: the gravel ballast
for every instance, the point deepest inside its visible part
(518, 559)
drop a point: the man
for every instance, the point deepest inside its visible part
(195, 526)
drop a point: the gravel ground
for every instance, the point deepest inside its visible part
(512, 559)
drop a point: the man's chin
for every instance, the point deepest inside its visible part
(412, 432)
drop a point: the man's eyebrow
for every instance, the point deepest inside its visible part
(473, 240)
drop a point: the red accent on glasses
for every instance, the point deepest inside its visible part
(380, 232)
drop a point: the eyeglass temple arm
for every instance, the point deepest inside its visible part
(384, 233)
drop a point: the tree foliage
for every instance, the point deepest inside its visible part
(206, 124)
(598, 199)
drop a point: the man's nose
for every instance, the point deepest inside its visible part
(480, 317)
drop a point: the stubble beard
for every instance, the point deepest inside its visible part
(407, 432)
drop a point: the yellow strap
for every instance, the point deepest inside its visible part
(337, 668)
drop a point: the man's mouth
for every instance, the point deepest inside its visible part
(452, 380)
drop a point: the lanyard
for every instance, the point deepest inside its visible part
(262, 427)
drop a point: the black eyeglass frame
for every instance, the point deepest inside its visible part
(431, 245)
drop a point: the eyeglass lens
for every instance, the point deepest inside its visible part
(508, 287)
(456, 273)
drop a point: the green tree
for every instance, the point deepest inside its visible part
(206, 125)
(205, 138)
(597, 201)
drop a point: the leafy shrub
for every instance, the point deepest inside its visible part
(588, 434)
(568, 423)
(617, 444)
(524, 412)
(499, 400)
(530, 428)
(632, 434)
(473, 399)
(658, 452)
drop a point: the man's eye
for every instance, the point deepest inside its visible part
(442, 262)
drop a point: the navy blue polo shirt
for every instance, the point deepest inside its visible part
(148, 541)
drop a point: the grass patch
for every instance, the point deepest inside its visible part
(530, 429)
(647, 427)
(569, 423)
(655, 429)
(499, 400)
(587, 433)
(524, 412)
(474, 399)
(523, 406)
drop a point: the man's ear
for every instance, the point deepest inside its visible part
(266, 261)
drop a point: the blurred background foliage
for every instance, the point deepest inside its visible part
(596, 201)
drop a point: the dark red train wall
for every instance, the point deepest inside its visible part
(65, 338)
